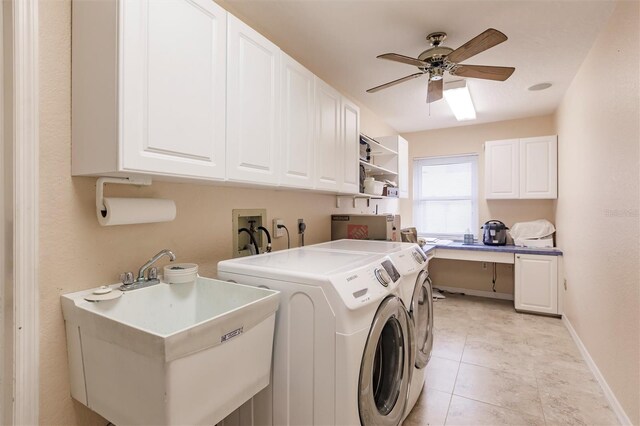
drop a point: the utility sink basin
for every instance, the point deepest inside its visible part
(170, 354)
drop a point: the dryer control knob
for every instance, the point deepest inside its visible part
(382, 276)
(417, 257)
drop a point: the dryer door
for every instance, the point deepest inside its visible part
(421, 313)
(386, 366)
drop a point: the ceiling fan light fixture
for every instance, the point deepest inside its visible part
(457, 95)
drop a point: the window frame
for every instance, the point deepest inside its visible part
(420, 162)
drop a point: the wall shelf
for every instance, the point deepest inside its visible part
(373, 169)
(367, 197)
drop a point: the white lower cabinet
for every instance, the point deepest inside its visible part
(536, 283)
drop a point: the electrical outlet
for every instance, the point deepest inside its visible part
(278, 232)
(484, 265)
(301, 226)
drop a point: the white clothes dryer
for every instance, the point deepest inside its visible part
(416, 291)
(342, 348)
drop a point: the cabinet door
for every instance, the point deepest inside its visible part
(296, 147)
(253, 104)
(536, 283)
(403, 168)
(539, 167)
(351, 147)
(172, 98)
(328, 141)
(501, 164)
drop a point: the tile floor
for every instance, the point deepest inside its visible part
(493, 366)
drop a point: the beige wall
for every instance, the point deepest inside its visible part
(597, 210)
(76, 253)
(469, 140)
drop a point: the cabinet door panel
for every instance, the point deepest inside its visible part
(351, 146)
(252, 105)
(539, 167)
(297, 125)
(328, 146)
(536, 283)
(173, 98)
(501, 169)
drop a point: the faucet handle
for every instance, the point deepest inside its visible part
(152, 274)
(126, 278)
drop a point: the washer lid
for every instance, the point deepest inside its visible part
(300, 262)
(368, 246)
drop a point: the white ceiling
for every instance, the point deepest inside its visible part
(339, 41)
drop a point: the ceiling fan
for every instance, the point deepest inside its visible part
(438, 59)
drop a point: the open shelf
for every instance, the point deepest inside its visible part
(362, 196)
(377, 149)
(372, 169)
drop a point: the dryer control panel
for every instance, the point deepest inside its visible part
(368, 284)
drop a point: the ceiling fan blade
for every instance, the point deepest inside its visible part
(394, 82)
(434, 91)
(478, 44)
(483, 71)
(401, 58)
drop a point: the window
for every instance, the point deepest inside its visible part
(445, 196)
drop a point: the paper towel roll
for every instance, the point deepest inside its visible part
(125, 211)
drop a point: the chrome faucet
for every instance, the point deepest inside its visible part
(154, 259)
(152, 277)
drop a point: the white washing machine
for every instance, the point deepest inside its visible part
(416, 293)
(342, 348)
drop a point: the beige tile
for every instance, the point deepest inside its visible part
(441, 374)
(448, 344)
(503, 332)
(576, 406)
(516, 358)
(463, 411)
(431, 409)
(501, 388)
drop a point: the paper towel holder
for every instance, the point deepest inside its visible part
(136, 180)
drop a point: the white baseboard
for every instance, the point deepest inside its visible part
(479, 293)
(608, 393)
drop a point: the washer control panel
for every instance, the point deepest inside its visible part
(370, 283)
(382, 276)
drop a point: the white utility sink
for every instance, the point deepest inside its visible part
(171, 353)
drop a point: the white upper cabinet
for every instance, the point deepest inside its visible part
(142, 102)
(298, 115)
(536, 283)
(539, 167)
(521, 168)
(351, 144)
(329, 158)
(501, 169)
(253, 105)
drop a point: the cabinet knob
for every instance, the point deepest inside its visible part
(518, 256)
